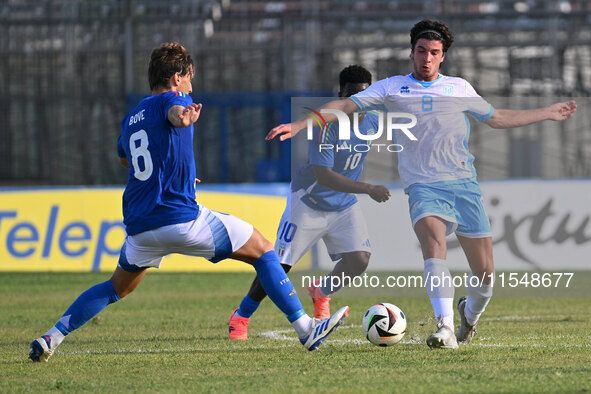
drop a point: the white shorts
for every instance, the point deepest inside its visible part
(301, 227)
(213, 235)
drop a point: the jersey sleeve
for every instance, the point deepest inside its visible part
(476, 106)
(174, 98)
(372, 97)
(323, 146)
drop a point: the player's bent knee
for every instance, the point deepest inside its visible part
(256, 246)
(433, 247)
(363, 261)
(357, 262)
(259, 243)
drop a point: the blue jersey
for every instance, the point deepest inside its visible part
(161, 183)
(343, 156)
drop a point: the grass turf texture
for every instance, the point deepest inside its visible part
(171, 335)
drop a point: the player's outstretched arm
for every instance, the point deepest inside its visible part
(289, 130)
(340, 183)
(508, 118)
(181, 116)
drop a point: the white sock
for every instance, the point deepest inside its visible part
(440, 289)
(302, 326)
(56, 336)
(478, 298)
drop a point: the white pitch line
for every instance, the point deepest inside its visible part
(281, 335)
(517, 317)
(336, 341)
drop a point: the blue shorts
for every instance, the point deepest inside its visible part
(459, 203)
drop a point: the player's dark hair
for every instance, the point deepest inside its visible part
(431, 30)
(354, 74)
(165, 61)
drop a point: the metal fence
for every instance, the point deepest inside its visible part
(70, 69)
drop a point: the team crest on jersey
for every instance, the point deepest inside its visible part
(404, 89)
(448, 90)
(370, 132)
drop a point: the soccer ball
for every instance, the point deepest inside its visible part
(384, 324)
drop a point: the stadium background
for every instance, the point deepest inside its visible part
(71, 69)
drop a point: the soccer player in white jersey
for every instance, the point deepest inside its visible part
(322, 205)
(162, 217)
(437, 171)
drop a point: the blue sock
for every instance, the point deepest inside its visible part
(247, 307)
(278, 286)
(87, 306)
(327, 287)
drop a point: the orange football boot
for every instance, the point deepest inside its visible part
(238, 327)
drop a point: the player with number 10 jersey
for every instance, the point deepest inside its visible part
(315, 211)
(343, 156)
(322, 206)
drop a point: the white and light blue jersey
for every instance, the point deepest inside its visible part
(442, 130)
(343, 156)
(160, 186)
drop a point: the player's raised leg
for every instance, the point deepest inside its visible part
(351, 264)
(259, 252)
(479, 287)
(431, 232)
(86, 306)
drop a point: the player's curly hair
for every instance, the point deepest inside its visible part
(431, 30)
(354, 74)
(165, 61)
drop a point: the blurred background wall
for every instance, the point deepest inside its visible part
(70, 69)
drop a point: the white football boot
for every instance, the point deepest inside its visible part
(465, 331)
(42, 348)
(443, 338)
(321, 329)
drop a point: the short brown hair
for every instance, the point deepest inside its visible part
(431, 30)
(165, 61)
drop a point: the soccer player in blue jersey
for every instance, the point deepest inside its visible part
(438, 173)
(162, 217)
(322, 205)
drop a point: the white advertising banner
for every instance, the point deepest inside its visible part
(536, 225)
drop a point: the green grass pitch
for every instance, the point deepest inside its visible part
(170, 335)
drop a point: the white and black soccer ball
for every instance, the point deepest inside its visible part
(384, 324)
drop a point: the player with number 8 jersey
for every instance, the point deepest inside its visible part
(167, 198)
(162, 216)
